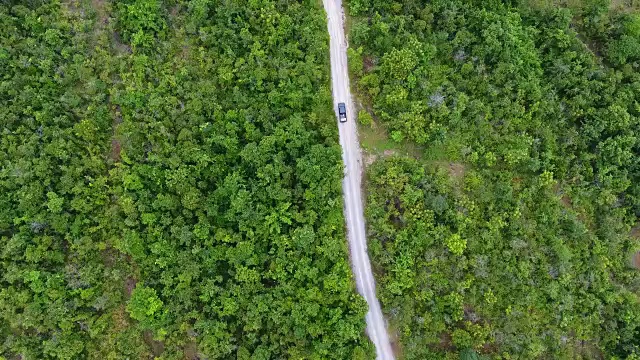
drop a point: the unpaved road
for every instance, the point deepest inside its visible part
(354, 215)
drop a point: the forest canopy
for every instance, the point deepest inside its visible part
(170, 183)
(170, 179)
(508, 234)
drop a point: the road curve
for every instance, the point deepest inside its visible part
(354, 215)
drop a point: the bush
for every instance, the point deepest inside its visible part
(357, 7)
(141, 22)
(355, 61)
(365, 118)
(144, 304)
(397, 136)
(625, 49)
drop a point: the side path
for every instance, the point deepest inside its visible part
(354, 214)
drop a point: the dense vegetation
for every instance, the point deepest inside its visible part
(170, 183)
(508, 237)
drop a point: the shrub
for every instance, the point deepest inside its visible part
(141, 22)
(365, 118)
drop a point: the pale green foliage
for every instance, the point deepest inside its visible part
(355, 61)
(365, 118)
(54, 202)
(456, 244)
(144, 304)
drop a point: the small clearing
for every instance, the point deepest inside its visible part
(129, 285)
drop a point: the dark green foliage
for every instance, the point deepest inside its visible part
(624, 45)
(512, 95)
(492, 261)
(229, 188)
(173, 191)
(521, 250)
(55, 291)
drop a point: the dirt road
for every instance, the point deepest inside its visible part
(351, 155)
